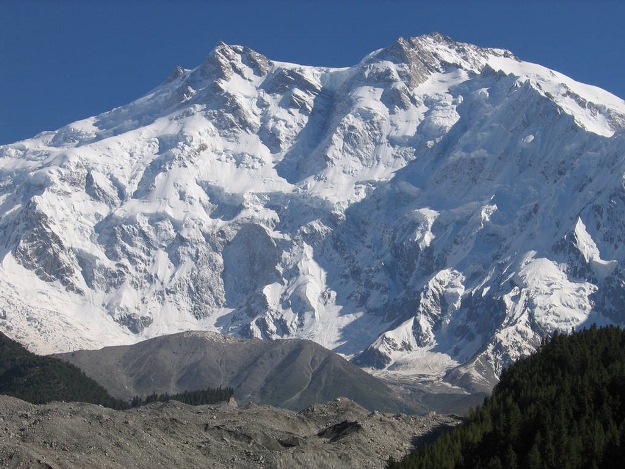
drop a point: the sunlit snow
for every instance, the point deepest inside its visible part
(432, 211)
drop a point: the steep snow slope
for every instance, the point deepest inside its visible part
(431, 212)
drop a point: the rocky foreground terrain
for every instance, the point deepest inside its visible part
(76, 435)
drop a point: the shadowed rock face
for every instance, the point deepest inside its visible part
(250, 261)
(284, 373)
(75, 435)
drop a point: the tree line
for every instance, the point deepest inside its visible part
(200, 397)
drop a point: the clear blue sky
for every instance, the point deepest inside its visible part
(63, 60)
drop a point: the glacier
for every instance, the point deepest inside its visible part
(431, 213)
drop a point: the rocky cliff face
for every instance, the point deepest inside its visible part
(432, 211)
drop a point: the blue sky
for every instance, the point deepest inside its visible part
(63, 60)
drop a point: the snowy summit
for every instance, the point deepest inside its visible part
(432, 211)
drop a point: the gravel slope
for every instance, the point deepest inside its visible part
(290, 373)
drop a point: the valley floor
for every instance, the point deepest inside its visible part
(76, 435)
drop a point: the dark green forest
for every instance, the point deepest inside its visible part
(39, 379)
(201, 397)
(562, 407)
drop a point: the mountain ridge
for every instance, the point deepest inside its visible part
(432, 211)
(289, 373)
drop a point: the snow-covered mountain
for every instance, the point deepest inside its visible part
(433, 211)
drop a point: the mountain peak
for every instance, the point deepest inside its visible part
(230, 58)
(416, 210)
(176, 73)
(420, 57)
